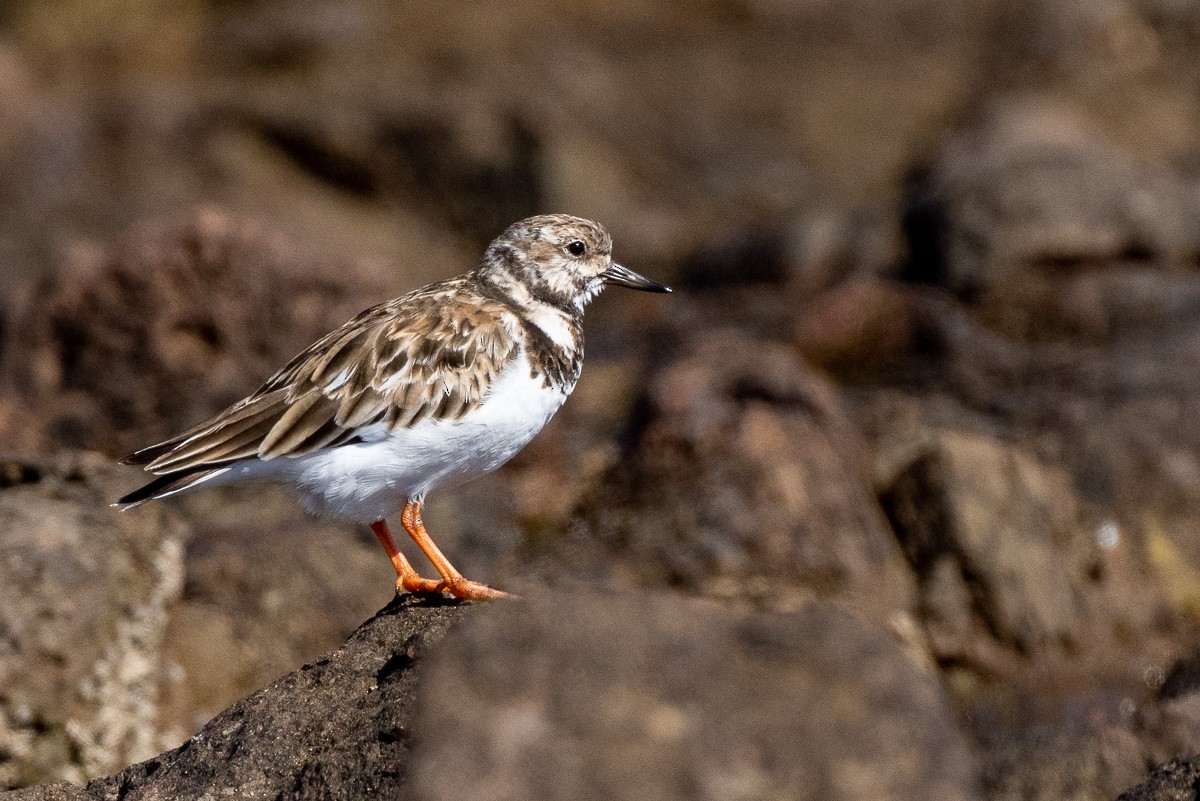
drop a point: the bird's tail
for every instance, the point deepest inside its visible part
(167, 485)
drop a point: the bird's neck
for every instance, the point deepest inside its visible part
(553, 330)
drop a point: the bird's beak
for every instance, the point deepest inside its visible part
(621, 276)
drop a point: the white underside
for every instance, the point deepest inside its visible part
(372, 480)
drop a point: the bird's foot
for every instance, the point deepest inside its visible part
(467, 590)
(463, 589)
(417, 585)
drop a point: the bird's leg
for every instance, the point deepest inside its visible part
(406, 577)
(452, 581)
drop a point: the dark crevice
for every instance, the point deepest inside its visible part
(398, 663)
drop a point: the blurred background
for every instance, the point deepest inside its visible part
(935, 353)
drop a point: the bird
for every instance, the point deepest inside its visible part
(423, 392)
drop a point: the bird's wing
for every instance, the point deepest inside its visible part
(415, 358)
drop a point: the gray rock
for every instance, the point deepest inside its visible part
(1177, 780)
(1035, 190)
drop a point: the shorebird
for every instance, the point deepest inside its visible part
(426, 391)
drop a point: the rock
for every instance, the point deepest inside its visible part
(1034, 192)
(976, 513)
(339, 728)
(580, 696)
(1177, 780)
(119, 349)
(740, 483)
(87, 591)
(1044, 764)
(267, 588)
(863, 327)
(587, 696)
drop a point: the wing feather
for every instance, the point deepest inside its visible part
(434, 353)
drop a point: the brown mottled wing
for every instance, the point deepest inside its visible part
(421, 356)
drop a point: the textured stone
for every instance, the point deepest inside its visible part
(86, 597)
(120, 348)
(339, 728)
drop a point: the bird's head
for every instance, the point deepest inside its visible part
(559, 259)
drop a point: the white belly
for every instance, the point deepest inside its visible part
(371, 480)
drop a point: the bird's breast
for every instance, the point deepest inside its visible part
(372, 478)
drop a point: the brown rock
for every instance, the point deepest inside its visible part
(86, 597)
(586, 696)
(118, 349)
(1005, 522)
(743, 482)
(339, 728)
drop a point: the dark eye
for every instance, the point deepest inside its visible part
(576, 248)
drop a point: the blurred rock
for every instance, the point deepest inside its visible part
(862, 327)
(1047, 765)
(1183, 679)
(742, 482)
(1034, 192)
(119, 349)
(641, 696)
(87, 592)
(970, 507)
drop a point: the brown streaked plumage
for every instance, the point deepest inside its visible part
(426, 390)
(397, 363)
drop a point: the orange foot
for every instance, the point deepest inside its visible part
(407, 578)
(467, 590)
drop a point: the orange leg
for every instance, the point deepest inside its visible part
(406, 577)
(452, 581)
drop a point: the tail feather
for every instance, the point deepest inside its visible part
(167, 485)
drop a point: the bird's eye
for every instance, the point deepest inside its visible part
(576, 248)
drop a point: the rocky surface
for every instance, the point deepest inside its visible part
(579, 696)
(340, 727)
(259, 599)
(648, 695)
(86, 598)
(933, 359)
(1177, 780)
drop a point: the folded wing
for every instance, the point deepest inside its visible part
(393, 366)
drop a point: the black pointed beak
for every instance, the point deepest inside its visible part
(621, 276)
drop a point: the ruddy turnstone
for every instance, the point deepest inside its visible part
(429, 390)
